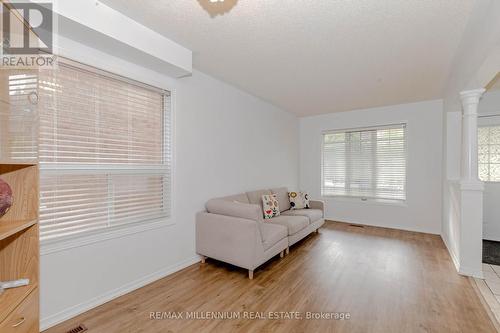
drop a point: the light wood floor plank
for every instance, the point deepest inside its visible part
(387, 280)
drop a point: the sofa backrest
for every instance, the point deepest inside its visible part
(242, 198)
(283, 200)
(255, 197)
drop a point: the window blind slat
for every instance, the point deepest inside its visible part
(367, 163)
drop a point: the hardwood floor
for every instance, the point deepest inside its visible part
(386, 280)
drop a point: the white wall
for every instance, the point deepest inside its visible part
(422, 211)
(451, 229)
(490, 106)
(226, 141)
(491, 211)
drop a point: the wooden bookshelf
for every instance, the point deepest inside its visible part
(19, 230)
(19, 250)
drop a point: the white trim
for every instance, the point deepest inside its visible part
(173, 150)
(368, 201)
(63, 244)
(367, 128)
(461, 269)
(471, 272)
(73, 311)
(486, 120)
(453, 256)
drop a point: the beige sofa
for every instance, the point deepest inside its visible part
(233, 230)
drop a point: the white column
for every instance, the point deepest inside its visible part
(471, 188)
(470, 102)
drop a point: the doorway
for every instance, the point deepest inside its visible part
(489, 172)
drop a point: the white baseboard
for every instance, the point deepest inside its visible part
(470, 272)
(75, 310)
(453, 255)
(460, 269)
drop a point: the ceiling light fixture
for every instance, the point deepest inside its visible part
(217, 7)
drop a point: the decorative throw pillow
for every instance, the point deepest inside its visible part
(270, 205)
(299, 200)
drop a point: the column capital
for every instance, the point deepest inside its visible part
(471, 97)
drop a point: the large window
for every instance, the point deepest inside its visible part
(365, 163)
(489, 153)
(104, 152)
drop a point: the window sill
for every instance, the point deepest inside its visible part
(53, 246)
(368, 201)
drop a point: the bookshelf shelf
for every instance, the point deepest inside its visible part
(10, 229)
(19, 247)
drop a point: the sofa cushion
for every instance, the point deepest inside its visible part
(312, 214)
(272, 234)
(271, 206)
(282, 194)
(299, 200)
(255, 197)
(293, 223)
(242, 197)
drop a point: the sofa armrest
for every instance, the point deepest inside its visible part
(230, 239)
(235, 209)
(317, 204)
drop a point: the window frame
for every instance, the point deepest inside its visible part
(366, 199)
(123, 74)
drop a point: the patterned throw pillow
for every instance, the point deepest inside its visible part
(299, 200)
(270, 205)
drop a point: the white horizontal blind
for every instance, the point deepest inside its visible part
(489, 153)
(104, 152)
(18, 115)
(367, 163)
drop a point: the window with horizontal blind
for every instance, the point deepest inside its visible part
(489, 153)
(365, 163)
(104, 152)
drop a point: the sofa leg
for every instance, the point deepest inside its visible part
(288, 250)
(203, 259)
(250, 274)
(282, 254)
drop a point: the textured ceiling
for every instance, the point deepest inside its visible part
(313, 57)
